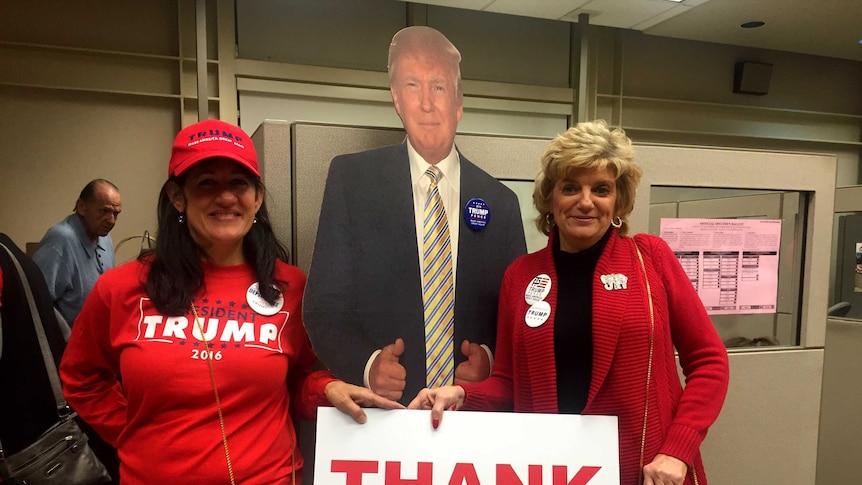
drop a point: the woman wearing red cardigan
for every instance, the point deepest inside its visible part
(589, 324)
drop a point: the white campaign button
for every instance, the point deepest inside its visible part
(538, 289)
(537, 314)
(258, 304)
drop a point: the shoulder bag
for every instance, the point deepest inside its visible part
(61, 455)
(649, 364)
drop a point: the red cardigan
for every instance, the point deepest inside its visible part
(524, 376)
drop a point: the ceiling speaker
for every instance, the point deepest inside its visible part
(751, 77)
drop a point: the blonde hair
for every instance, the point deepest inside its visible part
(591, 145)
(422, 41)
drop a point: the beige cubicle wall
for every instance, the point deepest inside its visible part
(840, 439)
(768, 430)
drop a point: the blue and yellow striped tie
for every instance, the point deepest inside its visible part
(438, 291)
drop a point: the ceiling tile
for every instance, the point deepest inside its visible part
(465, 4)
(613, 13)
(673, 12)
(819, 27)
(548, 9)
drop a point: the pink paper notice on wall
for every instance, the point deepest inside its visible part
(732, 263)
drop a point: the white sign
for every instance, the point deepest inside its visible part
(732, 263)
(468, 448)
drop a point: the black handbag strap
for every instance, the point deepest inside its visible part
(50, 366)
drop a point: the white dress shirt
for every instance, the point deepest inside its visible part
(449, 187)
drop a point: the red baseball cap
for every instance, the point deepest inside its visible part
(211, 139)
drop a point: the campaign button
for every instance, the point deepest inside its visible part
(477, 214)
(538, 314)
(259, 304)
(538, 289)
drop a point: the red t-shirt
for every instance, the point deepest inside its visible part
(163, 419)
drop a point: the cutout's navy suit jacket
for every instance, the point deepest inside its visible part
(364, 286)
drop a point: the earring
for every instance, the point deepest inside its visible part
(181, 218)
(549, 220)
(255, 221)
(617, 222)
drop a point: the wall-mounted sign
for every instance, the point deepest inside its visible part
(732, 263)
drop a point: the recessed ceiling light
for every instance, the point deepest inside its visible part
(753, 24)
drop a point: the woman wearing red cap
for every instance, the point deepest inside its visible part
(206, 332)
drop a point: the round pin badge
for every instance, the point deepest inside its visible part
(259, 305)
(537, 314)
(477, 214)
(538, 289)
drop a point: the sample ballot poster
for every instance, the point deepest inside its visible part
(732, 263)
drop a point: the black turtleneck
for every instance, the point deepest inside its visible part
(573, 338)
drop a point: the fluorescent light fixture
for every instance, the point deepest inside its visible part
(675, 1)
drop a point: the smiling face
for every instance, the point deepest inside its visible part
(583, 205)
(220, 199)
(425, 92)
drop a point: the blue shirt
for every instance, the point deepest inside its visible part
(71, 264)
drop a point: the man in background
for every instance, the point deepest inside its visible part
(412, 242)
(77, 250)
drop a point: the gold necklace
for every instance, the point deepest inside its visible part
(221, 416)
(215, 392)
